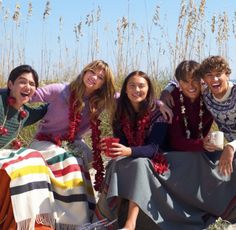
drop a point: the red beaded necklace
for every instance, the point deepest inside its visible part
(15, 143)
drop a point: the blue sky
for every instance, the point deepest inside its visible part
(36, 34)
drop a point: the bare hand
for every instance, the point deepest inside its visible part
(167, 98)
(120, 150)
(226, 159)
(166, 111)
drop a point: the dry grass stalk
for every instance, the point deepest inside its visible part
(213, 23)
(30, 10)
(133, 45)
(233, 25)
(16, 15)
(223, 34)
(47, 10)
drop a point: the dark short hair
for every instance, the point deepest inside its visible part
(19, 70)
(185, 68)
(214, 63)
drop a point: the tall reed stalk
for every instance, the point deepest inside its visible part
(130, 46)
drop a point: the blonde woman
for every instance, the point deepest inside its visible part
(73, 109)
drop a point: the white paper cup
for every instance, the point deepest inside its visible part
(217, 138)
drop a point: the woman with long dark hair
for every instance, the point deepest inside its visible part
(141, 128)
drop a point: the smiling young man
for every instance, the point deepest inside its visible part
(220, 99)
(191, 121)
(23, 86)
(22, 172)
(14, 113)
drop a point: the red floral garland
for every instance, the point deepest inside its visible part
(160, 163)
(75, 119)
(97, 159)
(136, 137)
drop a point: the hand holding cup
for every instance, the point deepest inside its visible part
(108, 142)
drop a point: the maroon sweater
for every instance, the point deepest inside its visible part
(176, 132)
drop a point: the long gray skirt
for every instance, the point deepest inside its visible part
(189, 196)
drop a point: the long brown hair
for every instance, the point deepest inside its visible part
(124, 106)
(102, 98)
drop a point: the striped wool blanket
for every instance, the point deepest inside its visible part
(30, 187)
(49, 185)
(74, 199)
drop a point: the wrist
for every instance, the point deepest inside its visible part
(129, 151)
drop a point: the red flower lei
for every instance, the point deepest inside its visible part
(160, 163)
(75, 119)
(136, 137)
(97, 159)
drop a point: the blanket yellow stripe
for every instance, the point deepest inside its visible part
(72, 184)
(55, 182)
(29, 170)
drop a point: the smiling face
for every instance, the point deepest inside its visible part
(136, 90)
(217, 83)
(93, 80)
(22, 89)
(191, 87)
